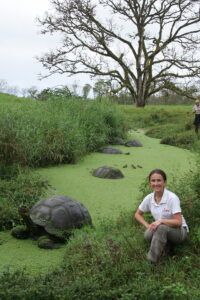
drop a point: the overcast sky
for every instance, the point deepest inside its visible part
(21, 42)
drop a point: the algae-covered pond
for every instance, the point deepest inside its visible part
(102, 197)
(107, 197)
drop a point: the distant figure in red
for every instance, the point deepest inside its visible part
(196, 111)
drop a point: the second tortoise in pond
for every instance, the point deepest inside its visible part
(53, 217)
(108, 172)
(111, 150)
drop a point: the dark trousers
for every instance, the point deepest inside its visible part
(196, 123)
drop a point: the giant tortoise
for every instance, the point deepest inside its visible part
(54, 218)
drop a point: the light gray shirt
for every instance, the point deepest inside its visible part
(196, 109)
(165, 209)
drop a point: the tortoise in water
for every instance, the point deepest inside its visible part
(108, 172)
(52, 218)
(117, 141)
(111, 150)
(133, 143)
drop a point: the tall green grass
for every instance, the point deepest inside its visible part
(39, 134)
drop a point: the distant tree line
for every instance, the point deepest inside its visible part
(101, 89)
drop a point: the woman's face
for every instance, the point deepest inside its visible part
(157, 183)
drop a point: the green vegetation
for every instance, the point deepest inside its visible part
(17, 186)
(172, 124)
(108, 261)
(41, 134)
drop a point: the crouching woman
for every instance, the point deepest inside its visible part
(169, 226)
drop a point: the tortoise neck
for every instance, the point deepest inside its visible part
(29, 223)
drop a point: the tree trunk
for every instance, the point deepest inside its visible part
(140, 100)
(140, 103)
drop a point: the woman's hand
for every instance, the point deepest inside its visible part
(153, 226)
(175, 222)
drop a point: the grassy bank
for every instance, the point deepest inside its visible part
(173, 125)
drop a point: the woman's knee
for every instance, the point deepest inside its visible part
(162, 228)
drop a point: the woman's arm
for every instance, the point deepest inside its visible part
(175, 222)
(139, 217)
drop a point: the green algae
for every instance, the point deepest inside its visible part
(108, 197)
(25, 255)
(104, 198)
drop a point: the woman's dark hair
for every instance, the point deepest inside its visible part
(158, 171)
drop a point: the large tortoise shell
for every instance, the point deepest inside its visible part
(60, 213)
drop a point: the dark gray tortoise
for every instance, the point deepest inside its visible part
(133, 143)
(111, 150)
(117, 141)
(51, 220)
(108, 172)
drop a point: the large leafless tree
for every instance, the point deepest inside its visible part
(142, 46)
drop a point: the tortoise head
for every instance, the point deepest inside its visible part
(23, 210)
(24, 213)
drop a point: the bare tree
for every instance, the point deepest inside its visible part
(139, 45)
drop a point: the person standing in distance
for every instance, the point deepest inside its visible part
(196, 111)
(169, 225)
